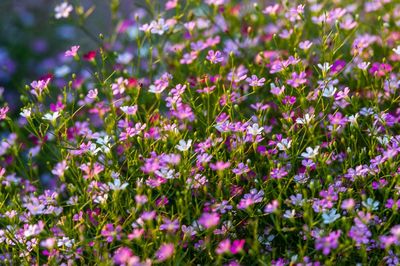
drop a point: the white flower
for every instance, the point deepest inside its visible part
(289, 214)
(330, 217)
(370, 204)
(353, 119)
(117, 185)
(26, 112)
(284, 145)
(51, 116)
(329, 92)
(384, 140)
(310, 152)
(63, 10)
(305, 120)
(183, 145)
(166, 173)
(325, 67)
(363, 65)
(397, 50)
(158, 27)
(254, 130)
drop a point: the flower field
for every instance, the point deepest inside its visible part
(212, 132)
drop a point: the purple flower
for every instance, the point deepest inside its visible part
(255, 82)
(170, 226)
(278, 173)
(297, 79)
(214, 57)
(110, 232)
(251, 198)
(328, 242)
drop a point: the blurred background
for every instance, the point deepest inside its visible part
(33, 42)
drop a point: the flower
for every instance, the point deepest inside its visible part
(327, 243)
(183, 145)
(63, 10)
(116, 185)
(129, 110)
(26, 112)
(397, 50)
(325, 67)
(330, 217)
(51, 116)
(297, 79)
(370, 204)
(310, 152)
(254, 130)
(3, 112)
(92, 94)
(72, 52)
(208, 220)
(214, 57)
(329, 91)
(253, 197)
(255, 82)
(165, 252)
(305, 45)
(305, 120)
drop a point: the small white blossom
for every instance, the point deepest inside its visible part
(305, 120)
(310, 152)
(325, 67)
(284, 145)
(63, 10)
(26, 112)
(329, 92)
(183, 145)
(254, 130)
(117, 185)
(397, 50)
(51, 116)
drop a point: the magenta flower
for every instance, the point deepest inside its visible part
(165, 252)
(208, 220)
(219, 166)
(380, 69)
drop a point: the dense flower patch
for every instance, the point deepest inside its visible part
(211, 132)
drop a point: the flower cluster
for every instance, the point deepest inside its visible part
(211, 132)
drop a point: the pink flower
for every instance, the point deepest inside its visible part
(165, 252)
(72, 52)
(3, 112)
(208, 220)
(219, 166)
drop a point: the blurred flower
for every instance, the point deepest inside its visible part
(63, 10)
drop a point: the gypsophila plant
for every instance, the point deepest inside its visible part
(211, 133)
